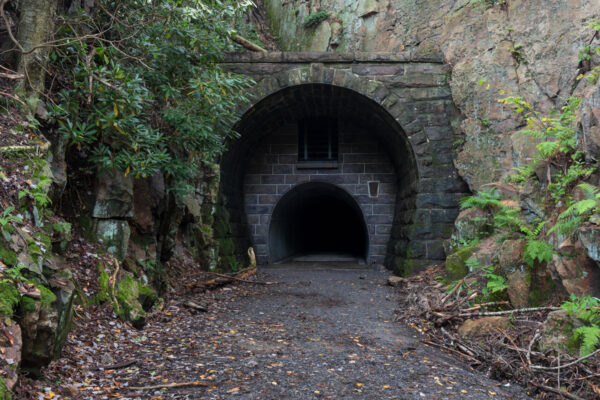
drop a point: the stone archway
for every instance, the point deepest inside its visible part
(418, 202)
(317, 217)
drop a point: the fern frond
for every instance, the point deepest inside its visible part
(590, 338)
(537, 250)
(589, 191)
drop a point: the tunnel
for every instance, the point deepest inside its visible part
(317, 219)
(320, 168)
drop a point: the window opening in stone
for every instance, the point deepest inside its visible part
(317, 139)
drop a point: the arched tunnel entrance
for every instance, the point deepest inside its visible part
(320, 168)
(327, 125)
(317, 218)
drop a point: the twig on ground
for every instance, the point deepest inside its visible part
(123, 364)
(171, 385)
(566, 365)
(560, 392)
(242, 280)
(490, 304)
(506, 312)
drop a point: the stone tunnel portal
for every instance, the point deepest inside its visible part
(319, 168)
(317, 218)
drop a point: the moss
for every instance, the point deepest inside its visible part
(128, 307)
(7, 256)
(221, 222)
(133, 300)
(47, 298)
(4, 392)
(102, 296)
(226, 247)
(228, 263)
(207, 214)
(456, 266)
(315, 19)
(27, 304)
(9, 298)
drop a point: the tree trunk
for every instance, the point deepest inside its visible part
(36, 26)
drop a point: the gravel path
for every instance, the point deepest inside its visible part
(339, 340)
(323, 333)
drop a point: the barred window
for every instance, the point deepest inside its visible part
(318, 139)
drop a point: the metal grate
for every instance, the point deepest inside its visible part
(317, 139)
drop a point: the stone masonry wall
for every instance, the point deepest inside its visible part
(272, 171)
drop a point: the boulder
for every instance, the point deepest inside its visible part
(133, 300)
(470, 225)
(46, 322)
(148, 196)
(574, 271)
(484, 252)
(509, 255)
(115, 236)
(589, 237)
(557, 332)
(518, 289)
(114, 195)
(483, 326)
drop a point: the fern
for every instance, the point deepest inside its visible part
(585, 308)
(579, 212)
(485, 199)
(589, 336)
(537, 250)
(495, 283)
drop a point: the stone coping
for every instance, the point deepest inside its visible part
(303, 57)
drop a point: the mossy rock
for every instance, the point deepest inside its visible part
(207, 214)
(456, 264)
(9, 298)
(4, 392)
(133, 299)
(7, 256)
(47, 298)
(221, 225)
(27, 304)
(102, 296)
(226, 247)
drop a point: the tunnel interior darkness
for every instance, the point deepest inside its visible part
(317, 218)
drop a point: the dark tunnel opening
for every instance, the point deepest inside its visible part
(317, 218)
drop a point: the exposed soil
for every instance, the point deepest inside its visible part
(323, 332)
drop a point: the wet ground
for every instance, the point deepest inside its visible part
(324, 332)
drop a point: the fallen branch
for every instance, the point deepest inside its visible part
(11, 76)
(565, 365)
(518, 310)
(531, 343)
(460, 353)
(491, 304)
(248, 44)
(172, 385)
(112, 284)
(195, 306)
(454, 289)
(13, 97)
(510, 339)
(557, 391)
(121, 365)
(242, 280)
